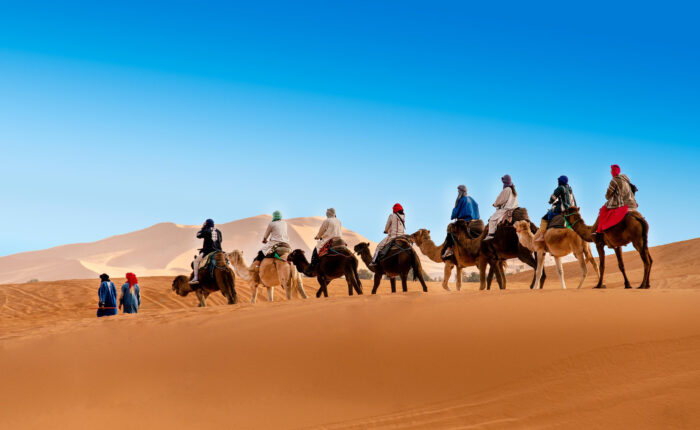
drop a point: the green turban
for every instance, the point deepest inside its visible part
(276, 216)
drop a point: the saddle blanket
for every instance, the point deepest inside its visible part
(608, 218)
(336, 242)
(513, 215)
(383, 253)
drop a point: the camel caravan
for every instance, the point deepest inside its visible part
(508, 234)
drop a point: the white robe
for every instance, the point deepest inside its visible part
(505, 201)
(394, 227)
(276, 233)
(330, 228)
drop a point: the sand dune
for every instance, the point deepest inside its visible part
(499, 359)
(165, 249)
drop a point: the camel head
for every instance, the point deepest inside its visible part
(522, 226)
(572, 215)
(181, 285)
(421, 235)
(236, 258)
(297, 256)
(361, 247)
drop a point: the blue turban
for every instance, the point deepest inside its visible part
(209, 223)
(563, 180)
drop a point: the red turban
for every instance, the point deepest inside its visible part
(131, 279)
(615, 170)
(397, 207)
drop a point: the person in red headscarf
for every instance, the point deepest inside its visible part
(620, 199)
(395, 226)
(130, 299)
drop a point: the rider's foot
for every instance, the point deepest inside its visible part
(447, 254)
(489, 237)
(194, 282)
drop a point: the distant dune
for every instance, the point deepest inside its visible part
(514, 359)
(165, 249)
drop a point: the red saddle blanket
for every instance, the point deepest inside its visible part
(608, 218)
(333, 243)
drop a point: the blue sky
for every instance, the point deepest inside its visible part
(118, 115)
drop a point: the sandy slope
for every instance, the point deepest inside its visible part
(165, 249)
(500, 359)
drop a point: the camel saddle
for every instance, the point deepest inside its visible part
(280, 251)
(204, 262)
(558, 221)
(385, 252)
(474, 228)
(334, 245)
(513, 215)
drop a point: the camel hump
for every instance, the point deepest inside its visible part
(335, 246)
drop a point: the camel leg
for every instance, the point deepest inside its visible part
(446, 277)
(589, 257)
(458, 278)
(392, 282)
(540, 268)
(300, 287)
(621, 265)
(525, 255)
(358, 283)
(646, 259)
(202, 299)
(489, 278)
(270, 294)
(404, 285)
(377, 280)
(323, 287)
(500, 275)
(422, 281)
(600, 247)
(584, 269)
(560, 272)
(482, 276)
(253, 293)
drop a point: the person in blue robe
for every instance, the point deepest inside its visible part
(107, 295)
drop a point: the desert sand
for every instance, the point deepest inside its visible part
(517, 358)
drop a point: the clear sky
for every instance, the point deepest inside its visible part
(118, 115)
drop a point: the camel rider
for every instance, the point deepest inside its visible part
(275, 234)
(395, 226)
(620, 199)
(465, 209)
(561, 199)
(212, 242)
(508, 199)
(330, 229)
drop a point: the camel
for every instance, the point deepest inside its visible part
(331, 266)
(400, 259)
(558, 242)
(221, 279)
(504, 245)
(632, 229)
(434, 252)
(272, 272)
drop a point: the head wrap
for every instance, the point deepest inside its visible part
(461, 192)
(330, 213)
(104, 277)
(276, 216)
(397, 208)
(563, 180)
(615, 170)
(507, 181)
(209, 223)
(131, 279)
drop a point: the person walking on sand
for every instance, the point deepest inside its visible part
(107, 295)
(130, 299)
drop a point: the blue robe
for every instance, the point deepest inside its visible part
(466, 209)
(129, 301)
(107, 294)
